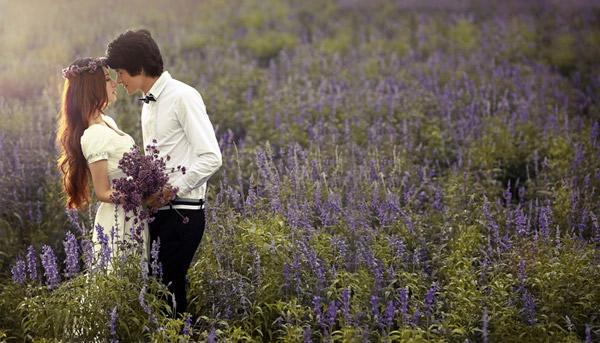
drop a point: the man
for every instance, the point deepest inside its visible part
(173, 116)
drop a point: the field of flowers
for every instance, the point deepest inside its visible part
(392, 171)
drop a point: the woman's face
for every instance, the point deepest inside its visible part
(111, 86)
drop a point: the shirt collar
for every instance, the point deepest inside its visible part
(159, 85)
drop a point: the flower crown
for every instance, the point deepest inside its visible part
(91, 66)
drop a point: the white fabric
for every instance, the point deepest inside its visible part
(100, 142)
(179, 123)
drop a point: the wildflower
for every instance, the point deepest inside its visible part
(588, 333)
(187, 326)
(346, 305)
(331, 313)
(156, 265)
(404, 302)
(18, 272)
(32, 267)
(50, 267)
(72, 253)
(545, 221)
(104, 247)
(430, 298)
(388, 315)
(112, 325)
(87, 250)
(212, 336)
(528, 311)
(307, 335)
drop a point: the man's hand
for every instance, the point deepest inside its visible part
(161, 197)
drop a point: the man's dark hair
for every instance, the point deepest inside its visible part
(134, 51)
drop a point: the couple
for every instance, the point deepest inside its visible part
(91, 144)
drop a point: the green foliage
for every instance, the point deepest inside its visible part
(463, 36)
(561, 53)
(266, 45)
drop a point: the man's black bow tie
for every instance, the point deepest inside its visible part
(148, 98)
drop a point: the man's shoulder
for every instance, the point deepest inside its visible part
(179, 88)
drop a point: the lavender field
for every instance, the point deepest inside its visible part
(394, 171)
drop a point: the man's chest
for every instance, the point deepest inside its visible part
(159, 121)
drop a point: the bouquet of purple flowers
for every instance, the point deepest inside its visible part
(145, 175)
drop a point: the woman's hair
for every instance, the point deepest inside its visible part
(134, 51)
(84, 94)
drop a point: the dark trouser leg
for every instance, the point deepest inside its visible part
(178, 244)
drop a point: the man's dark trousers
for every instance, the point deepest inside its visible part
(178, 244)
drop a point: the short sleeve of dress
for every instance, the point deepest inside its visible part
(95, 144)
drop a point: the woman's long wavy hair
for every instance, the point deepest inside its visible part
(83, 96)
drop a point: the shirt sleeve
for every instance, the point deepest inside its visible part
(206, 154)
(94, 145)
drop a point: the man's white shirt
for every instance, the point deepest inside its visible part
(179, 123)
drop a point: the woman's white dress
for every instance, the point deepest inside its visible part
(102, 142)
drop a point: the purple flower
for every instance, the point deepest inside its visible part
(104, 247)
(32, 267)
(18, 272)
(528, 311)
(404, 302)
(430, 298)
(493, 227)
(156, 265)
(317, 310)
(375, 310)
(331, 314)
(588, 333)
(521, 221)
(212, 336)
(50, 267)
(145, 174)
(73, 217)
(346, 305)
(87, 250)
(545, 221)
(187, 326)
(307, 335)
(145, 306)
(72, 252)
(112, 325)
(389, 313)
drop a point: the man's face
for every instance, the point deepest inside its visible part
(131, 83)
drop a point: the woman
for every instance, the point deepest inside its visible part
(91, 144)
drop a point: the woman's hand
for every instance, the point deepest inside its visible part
(161, 197)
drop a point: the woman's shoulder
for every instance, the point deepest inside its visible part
(109, 120)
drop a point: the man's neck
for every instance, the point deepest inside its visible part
(148, 83)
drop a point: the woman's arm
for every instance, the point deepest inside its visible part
(99, 171)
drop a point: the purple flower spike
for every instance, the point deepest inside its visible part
(32, 267)
(72, 252)
(212, 336)
(50, 267)
(18, 272)
(187, 326)
(112, 325)
(155, 264)
(104, 247)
